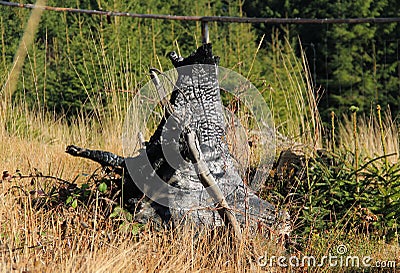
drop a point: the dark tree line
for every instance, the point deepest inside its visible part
(77, 59)
(355, 64)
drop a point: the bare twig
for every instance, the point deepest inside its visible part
(44, 176)
(161, 93)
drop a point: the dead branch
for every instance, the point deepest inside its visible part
(208, 181)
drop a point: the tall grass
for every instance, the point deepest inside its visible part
(36, 236)
(369, 132)
(293, 97)
(71, 240)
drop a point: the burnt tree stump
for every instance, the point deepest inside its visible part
(165, 170)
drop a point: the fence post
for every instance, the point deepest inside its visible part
(205, 38)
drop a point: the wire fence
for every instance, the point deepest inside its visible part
(225, 19)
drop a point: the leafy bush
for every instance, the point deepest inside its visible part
(334, 194)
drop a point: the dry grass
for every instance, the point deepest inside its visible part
(70, 247)
(63, 239)
(369, 133)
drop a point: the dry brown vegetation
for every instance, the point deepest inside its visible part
(59, 238)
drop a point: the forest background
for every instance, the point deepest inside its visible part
(349, 64)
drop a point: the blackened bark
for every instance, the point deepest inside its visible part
(197, 106)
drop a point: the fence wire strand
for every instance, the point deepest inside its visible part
(226, 19)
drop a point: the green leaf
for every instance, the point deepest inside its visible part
(116, 212)
(69, 200)
(74, 203)
(102, 187)
(136, 228)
